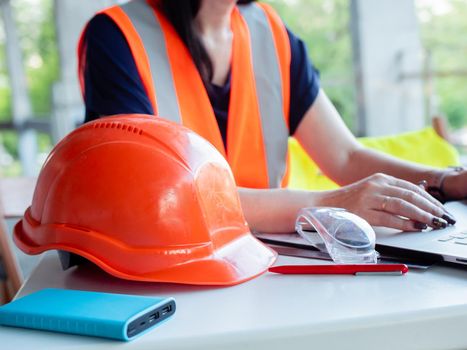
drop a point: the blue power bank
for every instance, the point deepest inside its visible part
(116, 316)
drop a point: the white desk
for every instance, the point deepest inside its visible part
(422, 310)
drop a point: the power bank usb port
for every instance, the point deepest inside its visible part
(153, 317)
(166, 309)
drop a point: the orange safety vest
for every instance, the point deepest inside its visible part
(258, 116)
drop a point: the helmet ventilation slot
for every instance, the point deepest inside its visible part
(122, 126)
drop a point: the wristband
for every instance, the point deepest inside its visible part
(437, 189)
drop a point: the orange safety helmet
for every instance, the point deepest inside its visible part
(145, 199)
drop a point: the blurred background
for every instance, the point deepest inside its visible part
(389, 66)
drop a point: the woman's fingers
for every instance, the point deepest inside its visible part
(436, 208)
(416, 199)
(382, 218)
(397, 207)
(386, 201)
(417, 189)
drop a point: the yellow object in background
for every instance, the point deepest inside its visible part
(424, 147)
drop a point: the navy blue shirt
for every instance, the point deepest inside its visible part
(113, 85)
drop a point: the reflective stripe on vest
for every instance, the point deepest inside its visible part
(149, 29)
(257, 129)
(269, 92)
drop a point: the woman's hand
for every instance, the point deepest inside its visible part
(453, 184)
(384, 200)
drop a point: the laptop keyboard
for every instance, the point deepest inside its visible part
(456, 238)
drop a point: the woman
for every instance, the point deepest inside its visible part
(188, 60)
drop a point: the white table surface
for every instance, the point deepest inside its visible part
(421, 310)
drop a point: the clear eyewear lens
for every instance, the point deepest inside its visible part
(346, 237)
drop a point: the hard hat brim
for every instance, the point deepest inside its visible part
(238, 261)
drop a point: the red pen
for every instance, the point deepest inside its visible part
(358, 269)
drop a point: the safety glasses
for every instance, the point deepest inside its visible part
(346, 237)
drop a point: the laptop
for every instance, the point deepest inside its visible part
(427, 247)
(448, 245)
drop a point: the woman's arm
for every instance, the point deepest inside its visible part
(327, 140)
(378, 187)
(380, 199)
(332, 146)
(275, 210)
